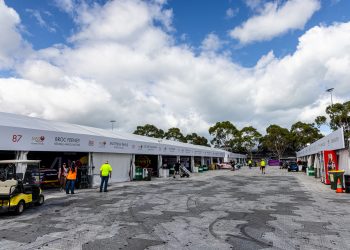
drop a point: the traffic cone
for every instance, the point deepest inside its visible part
(339, 187)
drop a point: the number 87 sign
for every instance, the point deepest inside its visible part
(16, 138)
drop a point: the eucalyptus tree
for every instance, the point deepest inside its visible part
(174, 134)
(149, 130)
(225, 135)
(250, 139)
(277, 139)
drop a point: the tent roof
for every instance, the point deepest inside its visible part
(26, 122)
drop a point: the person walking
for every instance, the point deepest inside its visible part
(62, 175)
(105, 173)
(262, 166)
(250, 163)
(177, 168)
(71, 178)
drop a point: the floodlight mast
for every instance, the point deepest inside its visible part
(330, 90)
(112, 122)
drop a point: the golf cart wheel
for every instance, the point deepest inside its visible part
(40, 200)
(20, 208)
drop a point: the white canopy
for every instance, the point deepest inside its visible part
(333, 141)
(23, 133)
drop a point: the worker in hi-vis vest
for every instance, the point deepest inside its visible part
(105, 173)
(262, 166)
(71, 178)
(250, 163)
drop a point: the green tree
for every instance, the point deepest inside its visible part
(339, 115)
(250, 139)
(303, 134)
(196, 139)
(150, 131)
(225, 135)
(320, 120)
(174, 134)
(277, 139)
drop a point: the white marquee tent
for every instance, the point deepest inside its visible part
(22, 134)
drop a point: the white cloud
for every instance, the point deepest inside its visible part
(134, 73)
(275, 20)
(75, 98)
(253, 4)
(230, 12)
(42, 23)
(65, 5)
(10, 39)
(211, 43)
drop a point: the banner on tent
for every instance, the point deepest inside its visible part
(21, 139)
(333, 141)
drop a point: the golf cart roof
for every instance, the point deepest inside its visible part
(18, 161)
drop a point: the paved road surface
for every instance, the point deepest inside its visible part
(216, 210)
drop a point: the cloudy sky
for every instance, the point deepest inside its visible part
(182, 63)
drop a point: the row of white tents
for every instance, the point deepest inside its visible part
(23, 134)
(328, 153)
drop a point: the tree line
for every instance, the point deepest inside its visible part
(277, 141)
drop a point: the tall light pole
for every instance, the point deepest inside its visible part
(112, 121)
(330, 91)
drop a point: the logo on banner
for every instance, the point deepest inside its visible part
(91, 143)
(38, 140)
(119, 145)
(67, 141)
(102, 144)
(143, 161)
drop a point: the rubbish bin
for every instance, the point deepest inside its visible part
(138, 174)
(205, 168)
(310, 171)
(171, 171)
(200, 169)
(334, 175)
(347, 183)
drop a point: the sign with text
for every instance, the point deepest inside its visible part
(23, 139)
(333, 141)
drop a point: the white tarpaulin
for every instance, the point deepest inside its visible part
(344, 161)
(119, 162)
(309, 161)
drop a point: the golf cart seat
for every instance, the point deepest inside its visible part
(7, 187)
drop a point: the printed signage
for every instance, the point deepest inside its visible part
(332, 141)
(38, 140)
(24, 139)
(330, 163)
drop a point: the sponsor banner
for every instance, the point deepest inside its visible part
(21, 139)
(330, 164)
(333, 141)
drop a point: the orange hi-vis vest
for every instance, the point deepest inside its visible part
(72, 175)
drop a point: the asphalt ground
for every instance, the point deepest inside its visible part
(215, 210)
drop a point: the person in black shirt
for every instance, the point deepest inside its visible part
(176, 169)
